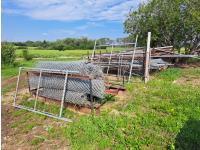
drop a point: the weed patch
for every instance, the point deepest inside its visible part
(37, 140)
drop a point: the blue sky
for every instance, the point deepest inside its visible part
(57, 19)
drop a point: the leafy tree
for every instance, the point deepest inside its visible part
(7, 54)
(44, 44)
(172, 22)
(104, 41)
(64, 44)
(29, 43)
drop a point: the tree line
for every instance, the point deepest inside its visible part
(64, 44)
(8, 48)
(172, 22)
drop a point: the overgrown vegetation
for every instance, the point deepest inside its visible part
(12, 70)
(107, 98)
(172, 22)
(7, 54)
(26, 55)
(162, 114)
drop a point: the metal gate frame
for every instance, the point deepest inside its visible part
(59, 116)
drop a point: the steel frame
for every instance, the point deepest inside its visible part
(59, 116)
(133, 56)
(120, 57)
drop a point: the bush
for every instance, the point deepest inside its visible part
(107, 98)
(22, 47)
(26, 55)
(8, 54)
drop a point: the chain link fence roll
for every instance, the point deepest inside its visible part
(77, 90)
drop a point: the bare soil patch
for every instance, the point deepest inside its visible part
(20, 138)
(190, 65)
(121, 100)
(189, 80)
(8, 81)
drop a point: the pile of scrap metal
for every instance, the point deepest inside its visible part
(196, 51)
(80, 87)
(168, 53)
(161, 58)
(131, 61)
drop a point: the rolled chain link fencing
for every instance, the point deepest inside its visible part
(78, 89)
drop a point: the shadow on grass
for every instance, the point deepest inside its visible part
(189, 136)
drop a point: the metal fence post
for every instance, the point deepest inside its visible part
(147, 59)
(110, 59)
(38, 86)
(133, 56)
(94, 49)
(64, 92)
(17, 86)
(91, 96)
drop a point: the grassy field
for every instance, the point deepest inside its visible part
(45, 55)
(39, 53)
(36, 53)
(162, 114)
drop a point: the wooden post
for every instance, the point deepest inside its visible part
(147, 59)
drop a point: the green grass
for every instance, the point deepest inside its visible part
(39, 53)
(8, 71)
(8, 88)
(37, 140)
(36, 53)
(51, 108)
(159, 115)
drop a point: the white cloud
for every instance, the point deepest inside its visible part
(89, 25)
(45, 34)
(70, 10)
(74, 31)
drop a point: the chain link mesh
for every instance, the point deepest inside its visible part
(78, 88)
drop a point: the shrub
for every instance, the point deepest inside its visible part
(107, 98)
(26, 55)
(22, 47)
(8, 54)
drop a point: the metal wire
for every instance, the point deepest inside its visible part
(78, 89)
(84, 68)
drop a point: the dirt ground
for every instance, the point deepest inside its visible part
(190, 65)
(14, 138)
(8, 81)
